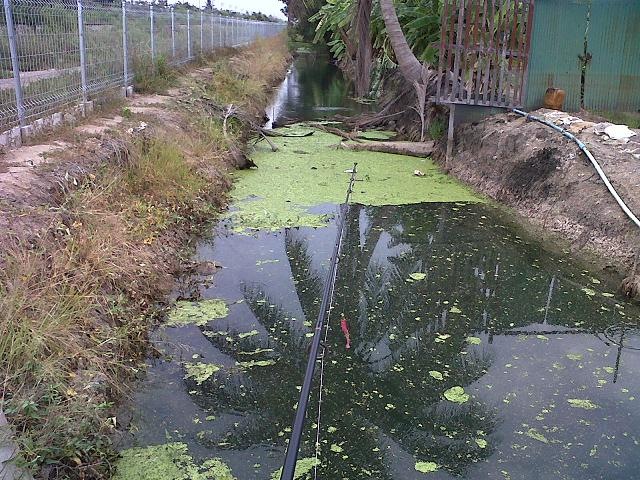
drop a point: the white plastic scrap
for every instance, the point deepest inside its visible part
(137, 129)
(619, 132)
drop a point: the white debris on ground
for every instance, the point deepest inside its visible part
(606, 132)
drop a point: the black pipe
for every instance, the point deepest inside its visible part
(291, 457)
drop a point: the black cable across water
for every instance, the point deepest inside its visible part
(291, 457)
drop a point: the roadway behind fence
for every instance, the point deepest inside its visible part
(68, 52)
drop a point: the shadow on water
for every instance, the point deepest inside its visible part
(314, 89)
(436, 296)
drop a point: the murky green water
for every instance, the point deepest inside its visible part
(314, 89)
(528, 338)
(474, 354)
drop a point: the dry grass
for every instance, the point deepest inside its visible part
(246, 83)
(76, 301)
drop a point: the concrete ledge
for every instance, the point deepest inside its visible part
(8, 450)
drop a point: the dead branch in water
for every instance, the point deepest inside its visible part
(335, 131)
(271, 144)
(412, 149)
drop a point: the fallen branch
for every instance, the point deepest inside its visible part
(413, 149)
(271, 144)
(273, 133)
(335, 131)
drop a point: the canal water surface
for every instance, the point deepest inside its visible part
(474, 352)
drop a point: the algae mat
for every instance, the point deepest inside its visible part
(310, 171)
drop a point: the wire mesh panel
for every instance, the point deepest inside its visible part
(138, 36)
(48, 56)
(181, 39)
(484, 51)
(162, 35)
(103, 46)
(69, 51)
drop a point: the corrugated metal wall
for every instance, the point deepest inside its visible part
(612, 76)
(557, 40)
(612, 79)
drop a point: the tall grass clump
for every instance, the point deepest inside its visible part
(150, 77)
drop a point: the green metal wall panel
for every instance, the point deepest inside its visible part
(613, 77)
(557, 40)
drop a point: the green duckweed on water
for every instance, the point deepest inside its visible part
(170, 461)
(201, 372)
(582, 403)
(186, 312)
(303, 466)
(256, 363)
(481, 442)
(426, 467)
(318, 176)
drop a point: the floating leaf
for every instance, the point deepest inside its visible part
(482, 443)
(582, 403)
(455, 309)
(435, 374)
(456, 395)
(589, 291)
(473, 340)
(418, 276)
(533, 433)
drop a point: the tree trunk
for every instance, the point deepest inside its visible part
(413, 149)
(364, 53)
(410, 66)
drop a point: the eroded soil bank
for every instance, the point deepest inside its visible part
(95, 220)
(547, 180)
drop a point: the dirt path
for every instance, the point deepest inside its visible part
(547, 180)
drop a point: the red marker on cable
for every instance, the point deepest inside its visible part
(345, 330)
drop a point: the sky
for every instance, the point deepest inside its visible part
(270, 7)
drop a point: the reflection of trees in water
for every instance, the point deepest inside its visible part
(380, 389)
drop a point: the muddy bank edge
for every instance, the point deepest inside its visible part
(548, 181)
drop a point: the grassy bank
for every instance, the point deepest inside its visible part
(77, 298)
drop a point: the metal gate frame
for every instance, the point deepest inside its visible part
(484, 52)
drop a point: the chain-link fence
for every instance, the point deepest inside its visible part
(65, 52)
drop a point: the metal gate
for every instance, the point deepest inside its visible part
(484, 52)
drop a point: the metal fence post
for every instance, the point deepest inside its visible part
(125, 54)
(201, 34)
(15, 63)
(211, 21)
(83, 62)
(220, 28)
(173, 33)
(153, 45)
(188, 35)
